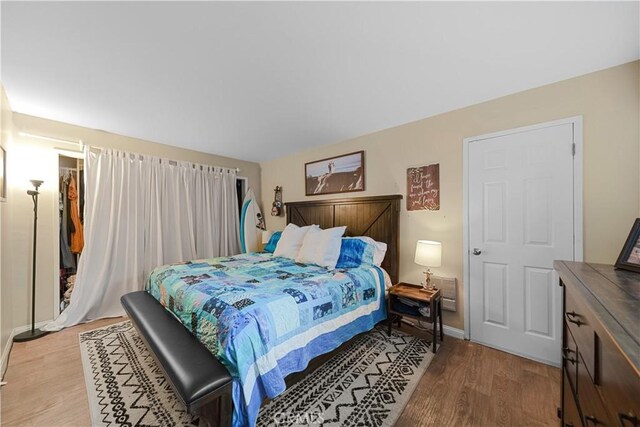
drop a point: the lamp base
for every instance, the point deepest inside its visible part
(427, 286)
(30, 335)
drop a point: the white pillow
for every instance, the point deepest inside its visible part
(321, 247)
(380, 249)
(291, 240)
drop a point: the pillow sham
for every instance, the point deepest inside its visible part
(379, 249)
(354, 252)
(291, 240)
(273, 241)
(321, 247)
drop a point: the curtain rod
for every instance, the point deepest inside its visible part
(141, 156)
(80, 144)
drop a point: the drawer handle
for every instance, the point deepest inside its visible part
(592, 419)
(576, 321)
(631, 417)
(565, 355)
(569, 359)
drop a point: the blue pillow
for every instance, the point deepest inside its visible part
(273, 242)
(354, 253)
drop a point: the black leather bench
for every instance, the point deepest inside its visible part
(198, 378)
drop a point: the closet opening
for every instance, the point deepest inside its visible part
(241, 190)
(71, 220)
(70, 210)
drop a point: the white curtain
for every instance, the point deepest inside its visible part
(142, 212)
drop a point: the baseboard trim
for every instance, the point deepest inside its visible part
(6, 351)
(5, 355)
(453, 332)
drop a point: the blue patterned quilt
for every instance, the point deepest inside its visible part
(265, 317)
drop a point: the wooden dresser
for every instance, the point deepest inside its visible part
(601, 345)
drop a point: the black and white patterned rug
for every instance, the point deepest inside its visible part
(366, 384)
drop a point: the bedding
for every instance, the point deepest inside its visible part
(291, 240)
(379, 249)
(273, 241)
(265, 317)
(355, 251)
(321, 247)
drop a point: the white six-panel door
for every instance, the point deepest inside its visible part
(520, 219)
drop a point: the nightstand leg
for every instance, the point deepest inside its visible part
(435, 326)
(389, 322)
(440, 316)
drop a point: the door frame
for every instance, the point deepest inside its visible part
(245, 181)
(56, 227)
(578, 237)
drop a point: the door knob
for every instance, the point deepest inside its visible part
(476, 251)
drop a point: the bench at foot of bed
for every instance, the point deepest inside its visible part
(199, 380)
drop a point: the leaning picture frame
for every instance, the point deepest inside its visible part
(629, 258)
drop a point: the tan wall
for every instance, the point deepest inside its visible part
(33, 158)
(6, 312)
(608, 100)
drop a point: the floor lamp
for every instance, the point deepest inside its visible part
(33, 333)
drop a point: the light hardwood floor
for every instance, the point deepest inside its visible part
(466, 384)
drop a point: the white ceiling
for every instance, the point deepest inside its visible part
(260, 80)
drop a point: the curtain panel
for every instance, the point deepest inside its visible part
(142, 212)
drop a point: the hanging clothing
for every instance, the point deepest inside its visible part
(77, 237)
(67, 260)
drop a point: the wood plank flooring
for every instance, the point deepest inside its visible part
(465, 385)
(469, 384)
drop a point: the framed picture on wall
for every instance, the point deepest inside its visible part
(339, 174)
(3, 174)
(423, 188)
(629, 258)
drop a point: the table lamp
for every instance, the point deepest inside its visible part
(428, 254)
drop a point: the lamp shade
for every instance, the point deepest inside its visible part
(428, 253)
(266, 235)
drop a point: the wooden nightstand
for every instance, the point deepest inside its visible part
(415, 293)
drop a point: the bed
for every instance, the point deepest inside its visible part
(266, 317)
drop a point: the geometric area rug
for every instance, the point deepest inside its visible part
(368, 383)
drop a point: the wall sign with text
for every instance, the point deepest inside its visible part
(423, 188)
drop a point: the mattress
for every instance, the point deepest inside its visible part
(265, 317)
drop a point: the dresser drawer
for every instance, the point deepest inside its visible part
(591, 405)
(619, 382)
(580, 322)
(570, 413)
(570, 357)
(601, 311)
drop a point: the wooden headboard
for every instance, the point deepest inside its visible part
(376, 217)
